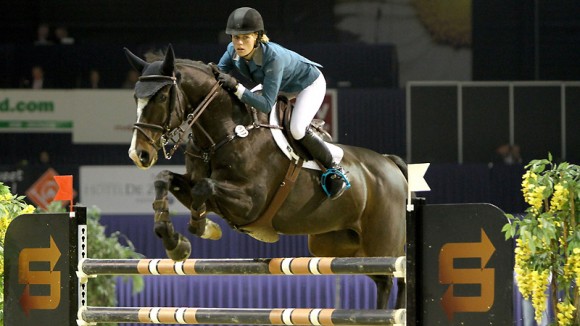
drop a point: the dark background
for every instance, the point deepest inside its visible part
(511, 41)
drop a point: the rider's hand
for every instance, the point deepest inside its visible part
(228, 82)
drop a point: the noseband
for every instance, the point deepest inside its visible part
(160, 81)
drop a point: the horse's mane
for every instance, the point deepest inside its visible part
(159, 55)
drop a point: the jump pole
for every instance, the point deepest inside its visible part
(214, 316)
(266, 266)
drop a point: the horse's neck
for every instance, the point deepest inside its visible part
(219, 118)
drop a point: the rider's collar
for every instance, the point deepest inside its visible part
(258, 57)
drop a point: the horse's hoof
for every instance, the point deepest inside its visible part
(212, 231)
(163, 230)
(181, 251)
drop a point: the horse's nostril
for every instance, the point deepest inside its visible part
(143, 157)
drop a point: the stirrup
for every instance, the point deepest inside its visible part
(331, 177)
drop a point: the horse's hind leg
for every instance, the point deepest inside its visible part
(384, 285)
(176, 245)
(401, 293)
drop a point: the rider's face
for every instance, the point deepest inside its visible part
(244, 43)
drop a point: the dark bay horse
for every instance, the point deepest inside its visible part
(234, 168)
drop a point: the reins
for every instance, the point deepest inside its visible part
(191, 120)
(178, 134)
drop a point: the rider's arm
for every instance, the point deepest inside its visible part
(272, 79)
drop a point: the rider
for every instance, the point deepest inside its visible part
(279, 70)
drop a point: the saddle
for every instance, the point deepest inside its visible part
(262, 228)
(284, 110)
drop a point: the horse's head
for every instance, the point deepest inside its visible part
(155, 94)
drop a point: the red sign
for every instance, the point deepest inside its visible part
(327, 112)
(43, 191)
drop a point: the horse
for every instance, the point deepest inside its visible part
(235, 169)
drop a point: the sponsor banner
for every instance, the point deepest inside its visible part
(124, 189)
(107, 117)
(27, 111)
(95, 116)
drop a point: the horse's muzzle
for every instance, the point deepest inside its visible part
(142, 158)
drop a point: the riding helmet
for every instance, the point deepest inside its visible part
(244, 20)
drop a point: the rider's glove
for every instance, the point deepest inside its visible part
(228, 82)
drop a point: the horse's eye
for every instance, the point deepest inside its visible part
(161, 98)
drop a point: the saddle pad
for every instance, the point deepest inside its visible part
(282, 142)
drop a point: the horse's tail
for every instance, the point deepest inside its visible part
(400, 163)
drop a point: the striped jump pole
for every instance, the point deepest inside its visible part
(267, 266)
(212, 316)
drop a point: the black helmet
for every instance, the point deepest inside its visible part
(244, 20)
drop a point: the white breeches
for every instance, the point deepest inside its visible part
(308, 102)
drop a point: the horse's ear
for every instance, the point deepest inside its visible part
(137, 63)
(169, 61)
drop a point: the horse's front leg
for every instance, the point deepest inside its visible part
(176, 245)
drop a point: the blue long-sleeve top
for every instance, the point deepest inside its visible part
(273, 66)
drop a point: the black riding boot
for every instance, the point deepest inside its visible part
(334, 181)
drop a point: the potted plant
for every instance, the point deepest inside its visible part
(547, 252)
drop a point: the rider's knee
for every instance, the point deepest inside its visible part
(298, 132)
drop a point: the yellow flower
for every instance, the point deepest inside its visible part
(565, 313)
(535, 198)
(559, 198)
(6, 197)
(551, 226)
(28, 210)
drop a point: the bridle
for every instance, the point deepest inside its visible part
(173, 134)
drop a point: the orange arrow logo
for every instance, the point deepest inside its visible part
(485, 277)
(28, 277)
